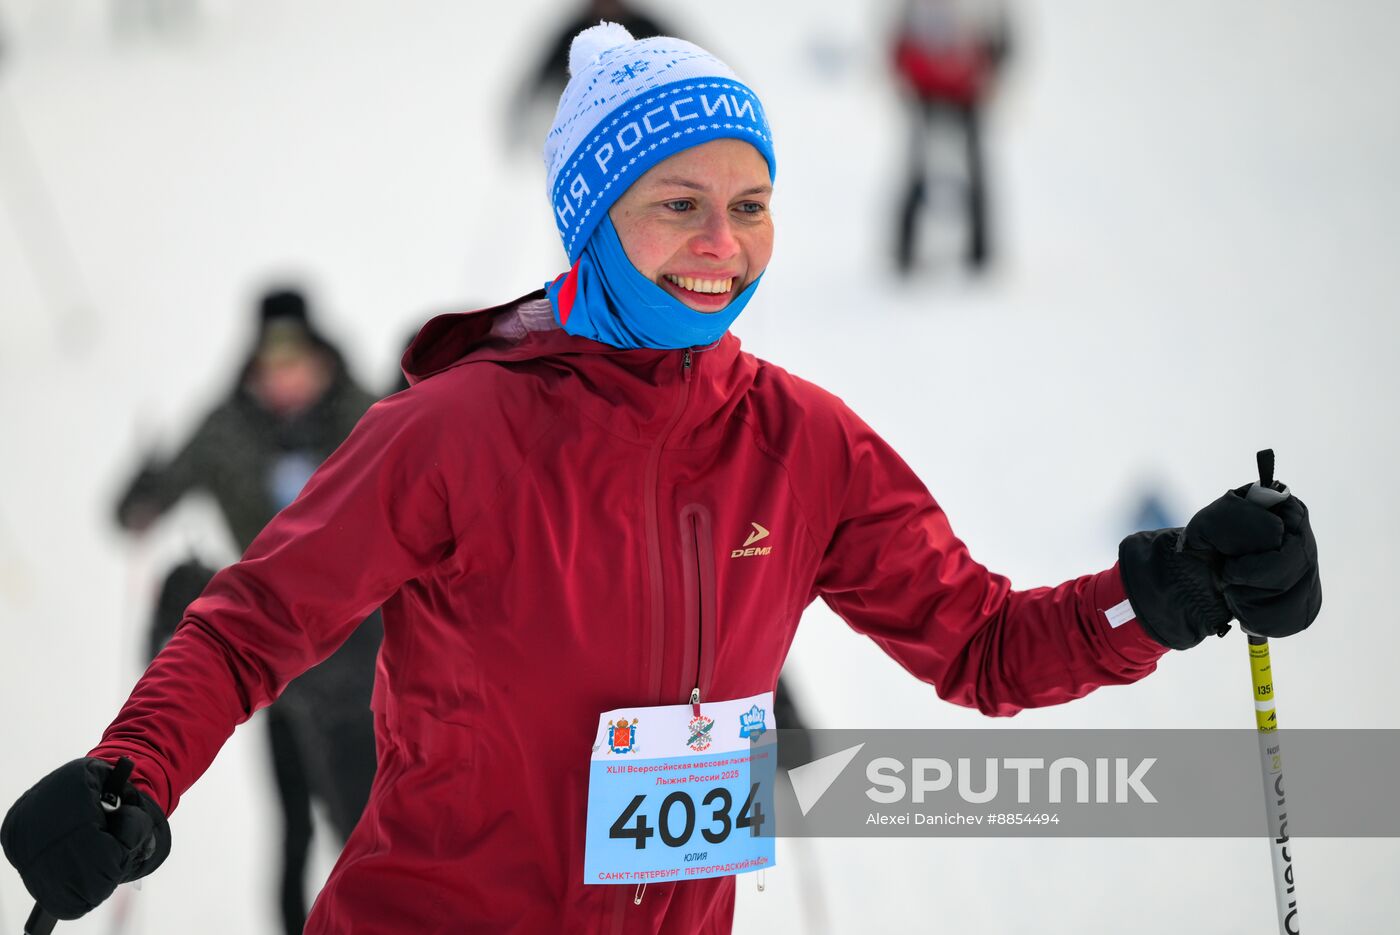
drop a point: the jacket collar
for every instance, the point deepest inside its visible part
(635, 394)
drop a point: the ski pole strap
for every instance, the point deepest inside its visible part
(1265, 460)
(1268, 492)
(115, 784)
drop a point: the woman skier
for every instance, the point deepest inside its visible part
(591, 498)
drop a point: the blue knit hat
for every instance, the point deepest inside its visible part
(630, 104)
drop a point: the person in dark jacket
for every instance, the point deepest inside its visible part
(552, 72)
(590, 520)
(294, 402)
(541, 85)
(182, 586)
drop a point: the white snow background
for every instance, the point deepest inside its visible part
(1199, 210)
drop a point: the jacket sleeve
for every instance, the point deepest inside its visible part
(375, 515)
(894, 570)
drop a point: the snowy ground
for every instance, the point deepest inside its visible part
(1199, 207)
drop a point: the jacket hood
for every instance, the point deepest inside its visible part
(622, 384)
(457, 338)
(451, 339)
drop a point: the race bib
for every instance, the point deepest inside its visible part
(680, 794)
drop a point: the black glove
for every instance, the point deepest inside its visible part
(70, 851)
(1234, 560)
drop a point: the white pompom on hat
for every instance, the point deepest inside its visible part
(588, 46)
(630, 104)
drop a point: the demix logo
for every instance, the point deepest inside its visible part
(749, 548)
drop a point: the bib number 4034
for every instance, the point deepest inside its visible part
(718, 800)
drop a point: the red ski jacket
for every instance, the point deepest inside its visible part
(556, 528)
(958, 75)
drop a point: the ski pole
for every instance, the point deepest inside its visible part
(1268, 493)
(40, 922)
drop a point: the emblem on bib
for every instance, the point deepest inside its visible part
(752, 722)
(700, 727)
(622, 735)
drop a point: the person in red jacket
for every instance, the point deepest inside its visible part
(947, 55)
(591, 500)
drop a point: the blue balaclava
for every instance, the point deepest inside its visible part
(629, 105)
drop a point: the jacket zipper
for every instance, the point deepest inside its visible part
(700, 610)
(653, 485)
(658, 592)
(696, 546)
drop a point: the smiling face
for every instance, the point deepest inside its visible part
(698, 224)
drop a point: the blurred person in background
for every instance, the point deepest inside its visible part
(947, 54)
(294, 402)
(543, 84)
(152, 16)
(552, 73)
(559, 518)
(182, 585)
